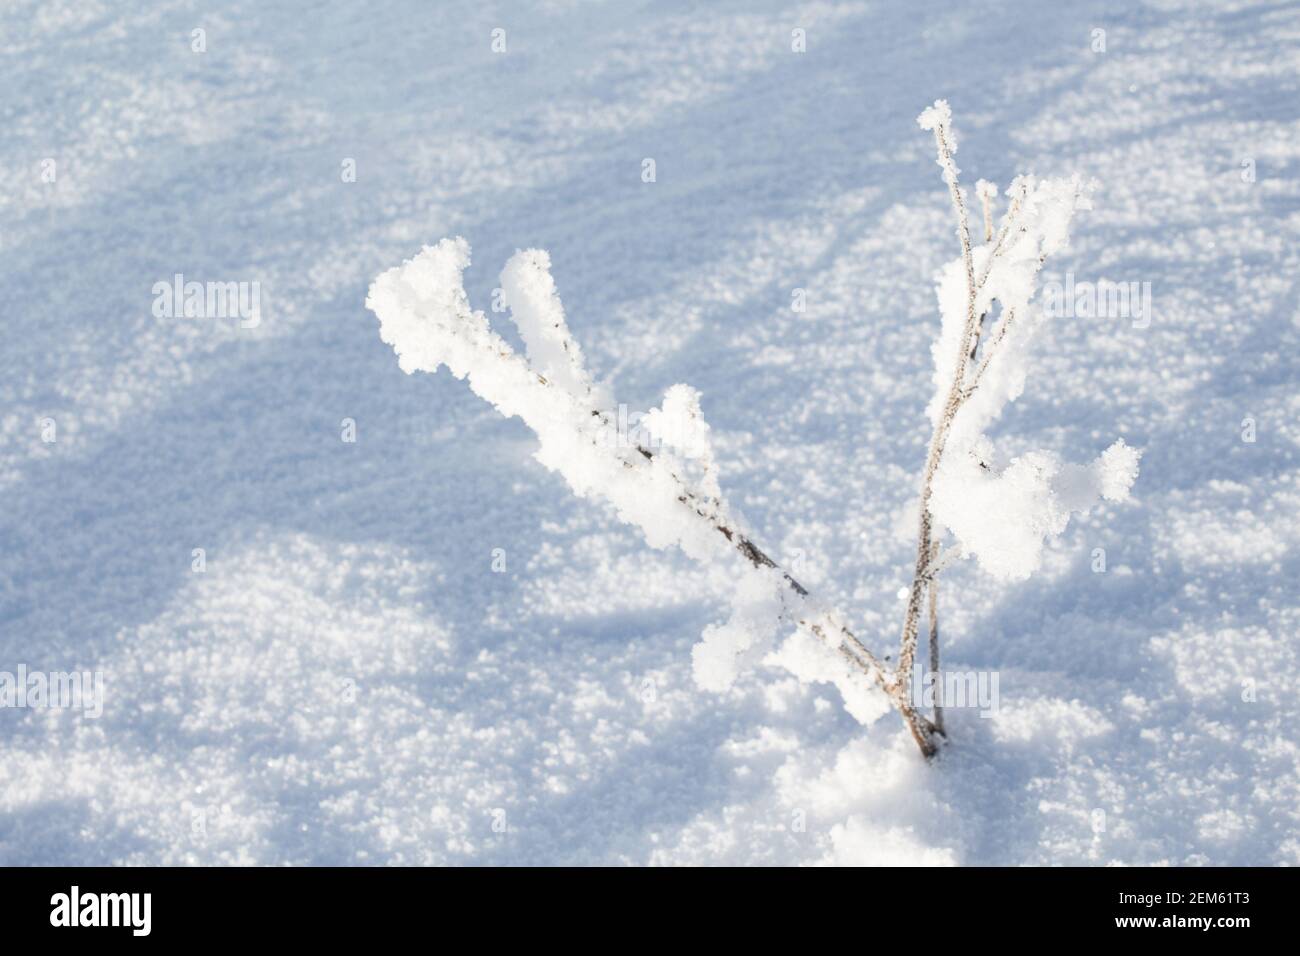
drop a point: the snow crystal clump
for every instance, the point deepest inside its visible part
(756, 611)
(424, 314)
(1004, 517)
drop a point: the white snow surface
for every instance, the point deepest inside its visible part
(420, 647)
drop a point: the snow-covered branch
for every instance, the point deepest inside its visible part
(426, 317)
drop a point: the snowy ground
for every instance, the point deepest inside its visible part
(349, 681)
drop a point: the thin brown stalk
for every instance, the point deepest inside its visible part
(933, 588)
(907, 652)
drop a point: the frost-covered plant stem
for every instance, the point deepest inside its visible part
(669, 489)
(925, 552)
